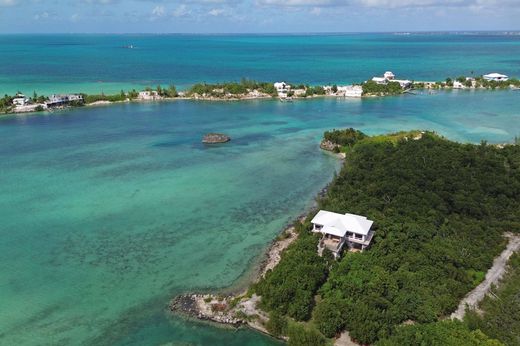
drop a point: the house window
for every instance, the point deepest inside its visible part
(350, 234)
(318, 227)
(358, 236)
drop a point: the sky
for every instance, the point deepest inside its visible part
(256, 16)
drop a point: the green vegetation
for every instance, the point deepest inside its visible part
(233, 88)
(446, 333)
(311, 91)
(277, 324)
(372, 88)
(344, 138)
(6, 104)
(440, 209)
(290, 288)
(102, 97)
(501, 310)
(481, 82)
(300, 335)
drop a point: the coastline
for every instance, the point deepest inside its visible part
(230, 99)
(168, 99)
(235, 307)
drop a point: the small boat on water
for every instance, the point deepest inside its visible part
(131, 46)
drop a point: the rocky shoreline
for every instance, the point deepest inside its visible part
(239, 309)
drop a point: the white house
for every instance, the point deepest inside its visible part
(282, 88)
(351, 90)
(380, 80)
(20, 100)
(458, 85)
(389, 75)
(496, 77)
(148, 95)
(60, 100)
(340, 229)
(404, 83)
(75, 97)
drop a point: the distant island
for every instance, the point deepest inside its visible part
(386, 85)
(441, 211)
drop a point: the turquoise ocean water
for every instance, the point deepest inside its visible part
(108, 212)
(95, 63)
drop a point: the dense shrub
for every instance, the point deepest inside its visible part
(446, 333)
(347, 137)
(290, 287)
(440, 209)
(299, 335)
(277, 324)
(501, 315)
(233, 88)
(372, 88)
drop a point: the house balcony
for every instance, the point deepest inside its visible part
(352, 239)
(334, 245)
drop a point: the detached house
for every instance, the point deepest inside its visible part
(342, 229)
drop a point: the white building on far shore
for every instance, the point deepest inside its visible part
(350, 90)
(148, 95)
(20, 100)
(496, 77)
(282, 88)
(389, 76)
(380, 80)
(57, 100)
(342, 229)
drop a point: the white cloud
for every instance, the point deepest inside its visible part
(181, 11)
(216, 12)
(158, 11)
(392, 3)
(5, 3)
(43, 15)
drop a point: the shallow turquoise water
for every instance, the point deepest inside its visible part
(95, 63)
(108, 212)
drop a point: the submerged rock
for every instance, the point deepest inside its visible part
(212, 138)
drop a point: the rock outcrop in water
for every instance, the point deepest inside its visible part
(213, 138)
(328, 145)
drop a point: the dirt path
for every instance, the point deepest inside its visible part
(344, 340)
(493, 276)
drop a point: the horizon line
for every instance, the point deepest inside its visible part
(272, 33)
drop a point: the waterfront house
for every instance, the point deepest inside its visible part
(56, 100)
(496, 77)
(148, 95)
(340, 230)
(404, 83)
(380, 80)
(458, 85)
(20, 100)
(350, 90)
(282, 89)
(389, 75)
